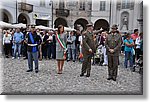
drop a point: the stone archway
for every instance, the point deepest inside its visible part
(6, 16)
(81, 22)
(23, 18)
(60, 21)
(101, 23)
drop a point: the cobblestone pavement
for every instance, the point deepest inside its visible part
(17, 81)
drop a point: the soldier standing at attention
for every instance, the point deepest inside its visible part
(88, 48)
(113, 44)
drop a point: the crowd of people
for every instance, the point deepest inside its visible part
(100, 46)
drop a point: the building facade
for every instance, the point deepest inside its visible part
(127, 14)
(101, 13)
(72, 12)
(27, 11)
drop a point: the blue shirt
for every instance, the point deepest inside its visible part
(127, 48)
(18, 37)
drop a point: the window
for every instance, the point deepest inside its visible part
(102, 5)
(61, 4)
(125, 4)
(82, 5)
(42, 3)
(24, 1)
(72, 3)
(90, 5)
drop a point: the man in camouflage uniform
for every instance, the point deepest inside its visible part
(113, 44)
(88, 48)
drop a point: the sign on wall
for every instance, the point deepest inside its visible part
(41, 16)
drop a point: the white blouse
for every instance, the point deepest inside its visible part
(137, 42)
(7, 40)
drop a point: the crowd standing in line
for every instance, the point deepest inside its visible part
(101, 47)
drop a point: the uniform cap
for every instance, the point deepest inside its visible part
(89, 25)
(32, 26)
(114, 26)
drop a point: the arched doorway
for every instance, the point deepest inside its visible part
(23, 18)
(81, 22)
(101, 23)
(6, 16)
(60, 21)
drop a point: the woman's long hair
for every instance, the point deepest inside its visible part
(59, 27)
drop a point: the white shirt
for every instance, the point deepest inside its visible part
(137, 42)
(7, 40)
(50, 38)
(80, 39)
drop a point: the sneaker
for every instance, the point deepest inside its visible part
(25, 58)
(68, 60)
(104, 64)
(114, 79)
(82, 74)
(7, 56)
(87, 75)
(109, 78)
(29, 70)
(18, 57)
(13, 57)
(36, 71)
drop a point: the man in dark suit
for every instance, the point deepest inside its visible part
(113, 44)
(32, 40)
(45, 44)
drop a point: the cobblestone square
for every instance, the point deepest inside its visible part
(17, 81)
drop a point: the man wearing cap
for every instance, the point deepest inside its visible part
(32, 40)
(88, 48)
(113, 44)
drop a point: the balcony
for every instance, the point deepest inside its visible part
(62, 12)
(25, 7)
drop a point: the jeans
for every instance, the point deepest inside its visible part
(71, 54)
(138, 52)
(25, 51)
(7, 49)
(50, 51)
(17, 47)
(32, 56)
(105, 55)
(77, 50)
(128, 56)
(44, 51)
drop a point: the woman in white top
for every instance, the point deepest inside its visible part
(104, 35)
(80, 48)
(138, 49)
(7, 43)
(80, 40)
